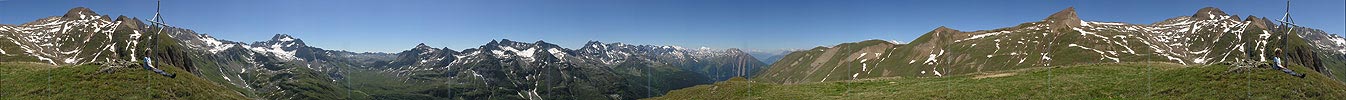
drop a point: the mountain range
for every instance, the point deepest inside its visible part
(1207, 55)
(109, 56)
(1207, 37)
(284, 67)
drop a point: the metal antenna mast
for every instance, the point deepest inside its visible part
(1286, 19)
(1288, 22)
(158, 19)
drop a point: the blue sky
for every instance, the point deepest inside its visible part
(762, 25)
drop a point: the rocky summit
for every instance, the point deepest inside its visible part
(1065, 17)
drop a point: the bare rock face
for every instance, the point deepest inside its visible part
(1208, 13)
(1065, 17)
(127, 21)
(1258, 22)
(77, 12)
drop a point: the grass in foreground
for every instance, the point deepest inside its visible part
(38, 81)
(1115, 81)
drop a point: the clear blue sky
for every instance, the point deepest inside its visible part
(767, 25)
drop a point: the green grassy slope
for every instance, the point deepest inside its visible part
(945, 51)
(373, 84)
(822, 63)
(1093, 81)
(30, 81)
(1336, 65)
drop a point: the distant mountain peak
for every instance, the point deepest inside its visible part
(123, 18)
(591, 42)
(733, 50)
(79, 12)
(540, 42)
(544, 44)
(943, 29)
(422, 46)
(127, 21)
(1258, 22)
(510, 43)
(506, 43)
(286, 39)
(592, 45)
(1208, 13)
(283, 37)
(1064, 17)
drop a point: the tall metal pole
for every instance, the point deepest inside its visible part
(158, 21)
(1289, 24)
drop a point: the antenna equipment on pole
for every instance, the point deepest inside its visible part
(158, 21)
(1287, 22)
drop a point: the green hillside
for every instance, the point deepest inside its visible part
(1059, 40)
(1093, 81)
(35, 81)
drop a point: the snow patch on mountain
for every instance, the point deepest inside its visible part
(275, 50)
(1340, 42)
(978, 36)
(930, 60)
(215, 46)
(62, 40)
(1100, 52)
(287, 39)
(557, 53)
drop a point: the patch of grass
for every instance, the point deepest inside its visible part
(37, 81)
(1091, 81)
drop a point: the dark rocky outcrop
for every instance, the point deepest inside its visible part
(1065, 17)
(76, 12)
(1208, 13)
(1258, 22)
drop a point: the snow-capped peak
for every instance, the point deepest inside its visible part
(283, 38)
(282, 41)
(281, 45)
(215, 45)
(506, 48)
